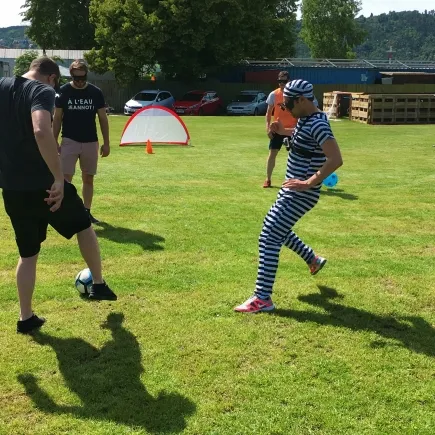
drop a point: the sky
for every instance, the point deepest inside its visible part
(10, 9)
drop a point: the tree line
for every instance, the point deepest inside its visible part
(189, 38)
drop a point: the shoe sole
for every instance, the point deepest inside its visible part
(322, 264)
(102, 298)
(30, 331)
(265, 309)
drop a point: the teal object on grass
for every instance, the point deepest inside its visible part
(330, 181)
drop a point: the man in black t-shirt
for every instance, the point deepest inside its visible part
(35, 193)
(76, 107)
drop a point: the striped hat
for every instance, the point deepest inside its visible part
(299, 88)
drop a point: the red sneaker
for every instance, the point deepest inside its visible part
(254, 305)
(267, 183)
(317, 264)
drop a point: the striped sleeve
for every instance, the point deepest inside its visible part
(321, 131)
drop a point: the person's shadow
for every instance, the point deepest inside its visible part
(148, 242)
(107, 381)
(339, 193)
(412, 332)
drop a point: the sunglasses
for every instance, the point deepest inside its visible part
(282, 81)
(289, 104)
(79, 78)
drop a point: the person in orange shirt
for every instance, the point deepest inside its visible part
(274, 101)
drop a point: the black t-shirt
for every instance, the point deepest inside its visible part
(21, 164)
(79, 109)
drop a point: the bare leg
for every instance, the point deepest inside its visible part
(90, 250)
(88, 190)
(26, 278)
(271, 159)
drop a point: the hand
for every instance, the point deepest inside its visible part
(277, 127)
(298, 185)
(105, 150)
(55, 195)
(270, 134)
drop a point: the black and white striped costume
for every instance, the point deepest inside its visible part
(305, 159)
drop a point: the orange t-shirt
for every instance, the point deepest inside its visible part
(287, 119)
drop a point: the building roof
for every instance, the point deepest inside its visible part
(13, 53)
(406, 73)
(343, 63)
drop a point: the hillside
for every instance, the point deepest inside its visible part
(13, 37)
(410, 33)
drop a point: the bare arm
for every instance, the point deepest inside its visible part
(41, 120)
(104, 125)
(333, 162)
(268, 117)
(57, 122)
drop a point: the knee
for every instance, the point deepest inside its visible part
(88, 179)
(273, 154)
(268, 239)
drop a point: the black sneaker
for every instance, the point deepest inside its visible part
(93, 220)
(32, 323)
(102, 292)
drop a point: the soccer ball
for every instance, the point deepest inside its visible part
(83, 281)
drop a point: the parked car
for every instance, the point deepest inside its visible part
(248, 103)
(199, 103)
(149, 98)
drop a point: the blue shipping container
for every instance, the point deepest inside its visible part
(342, 76)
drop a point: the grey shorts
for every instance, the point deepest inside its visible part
(86, 152)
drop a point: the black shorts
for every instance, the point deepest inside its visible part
(30, 216)
(276, 142)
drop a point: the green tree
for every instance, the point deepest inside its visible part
(329, 27)
(59, 24)
(188, 37)
(22, 63)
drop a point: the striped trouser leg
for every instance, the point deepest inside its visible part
(276, 232)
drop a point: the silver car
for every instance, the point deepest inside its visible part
(149, 98)
(248, 103)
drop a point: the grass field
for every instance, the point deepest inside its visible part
(351, 351)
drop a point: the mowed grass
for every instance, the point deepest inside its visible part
(351, 351)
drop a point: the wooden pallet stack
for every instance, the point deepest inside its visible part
(337, 104)
(393, 108)
(329, 104)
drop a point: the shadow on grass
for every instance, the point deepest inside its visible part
(412, 332)
(340, 193)
(108, 384)
(148, 242)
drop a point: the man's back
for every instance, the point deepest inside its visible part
(21, 164)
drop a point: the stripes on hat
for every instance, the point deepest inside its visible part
(299, 88)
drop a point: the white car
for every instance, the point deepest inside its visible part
(248, 103)
(149, 98)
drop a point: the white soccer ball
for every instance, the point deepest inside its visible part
(83, 281)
